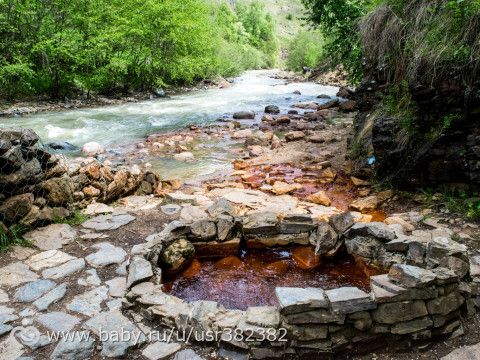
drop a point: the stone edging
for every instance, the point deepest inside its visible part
(432, 283)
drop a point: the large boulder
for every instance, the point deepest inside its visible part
(240, 115)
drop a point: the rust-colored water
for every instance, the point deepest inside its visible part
(238, 282)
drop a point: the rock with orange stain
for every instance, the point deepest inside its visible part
(359, 182)
(320, 198)
(240, 165)
(328, 175)
(193, 270)
(369, 203)
(282, 188)
(229, 263)
(306, 258)
(277, 268)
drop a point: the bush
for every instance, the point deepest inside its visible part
(306, 49)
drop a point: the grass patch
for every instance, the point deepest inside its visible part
(12, 237)
(455, 201)
(77, 218)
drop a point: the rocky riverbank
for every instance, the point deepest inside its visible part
(289, 180)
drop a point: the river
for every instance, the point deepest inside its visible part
(119, 125)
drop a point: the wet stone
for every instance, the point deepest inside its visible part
(295, 300)
(33, 290)
(349, 300)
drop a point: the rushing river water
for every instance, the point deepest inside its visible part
(114, 126)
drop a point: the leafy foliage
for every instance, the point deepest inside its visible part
(306, 49)
(58, 47)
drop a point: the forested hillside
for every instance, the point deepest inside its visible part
(59, 48)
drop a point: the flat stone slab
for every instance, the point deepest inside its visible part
(138, 203)
(411, 276)
(107, 254)
(108, 222)
(80, 347)
(139, 270)
(33, 290)
(265, 316)
(97, 208)
(171, 209)
(58, 321)
(16, 274)
(52, 237)
(295, 300)
(91, 279)
(10, 349)
(48, 259)
(376, 229)
(111, 322)
(161, 350)
(346, 300)
(51, 297)
(464, 353)
(3, 297)
(64, 270)
(117, 287)
(89, 303)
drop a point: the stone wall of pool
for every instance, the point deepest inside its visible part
(430, 286)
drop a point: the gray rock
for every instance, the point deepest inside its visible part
(64, 270)
(16, 274)
(117, 287)
(385, 290)
(369, 248)
(445, 276)
(392, 313)
(91, 279)
(221, 207)
(416, 252)
(52, 237)
(4, 297)
(171, 209)
(48, 259)
(51, 297)
(80, 346)
(5, 329)
(376, 229)
(409, 327)
(296, 224)
(464, 353)
(445, 304)
(10, 349)
(89, 303)
(107, 254)
(272, 109)
(108, 222)
(160, 350)
(139, 270)
(33, 290)
(190, 214)
(411, 276)
(346, 300)
(318, 316)
(32, 338)
(399, 245)
(341, 222)
(111, 322)
(295, 300)
(243, 115)
(325, 240)
(261, 224)
(439, 248)
(264, 316)
(58, 321)
(203, 230)
(225, 225)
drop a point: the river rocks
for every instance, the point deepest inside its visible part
(411, 276)
(242, 134)
(176, 255)
(15, 208)
(294, 136)
(184, 156)
(92, 149)
(52, 237)
(77, 347)
(328, 104)
(272, 109)
(110, 322)
(107, 254)
(139, 270)
(320, 198)
(243, 115)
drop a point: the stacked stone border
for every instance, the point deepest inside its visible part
(431, 285)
